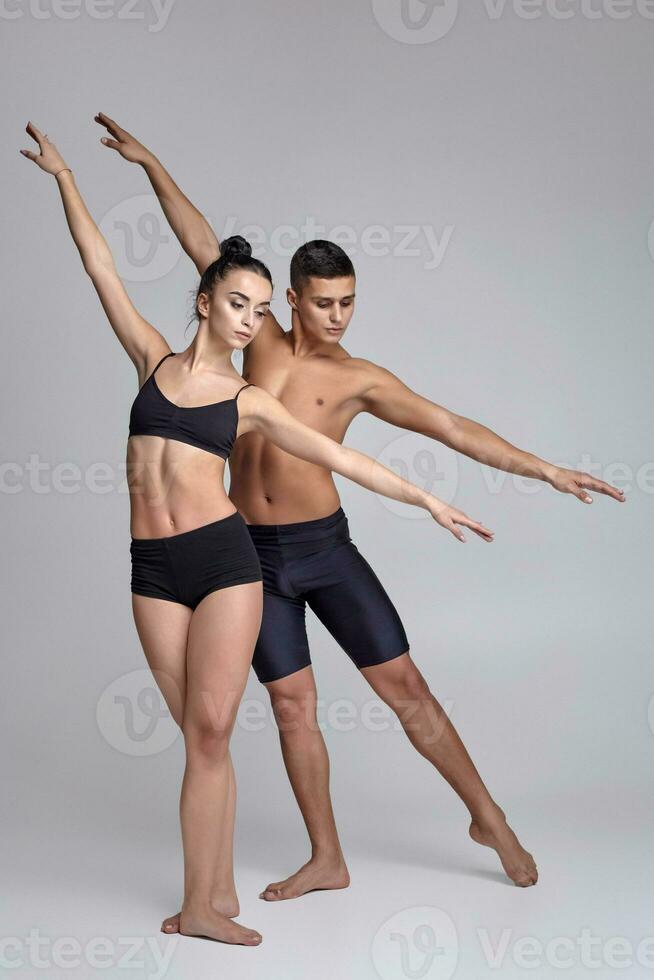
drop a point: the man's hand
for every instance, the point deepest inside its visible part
(576, 482)
(128, 147)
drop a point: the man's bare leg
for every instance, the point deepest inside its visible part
(307, 764)
(399, 684)
(402, 687)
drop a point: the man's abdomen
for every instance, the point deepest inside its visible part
(269, 486)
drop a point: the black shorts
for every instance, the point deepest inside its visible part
(315, 562)
(186, 567)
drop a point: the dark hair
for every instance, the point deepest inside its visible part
(235, 253)
(319, 258)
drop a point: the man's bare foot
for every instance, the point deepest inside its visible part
(205, 922)
(223, 904)
(317, 874)
(496, 833)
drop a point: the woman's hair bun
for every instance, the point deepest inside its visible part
(236, 245)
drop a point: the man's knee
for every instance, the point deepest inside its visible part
(399, 680)
(294, 702)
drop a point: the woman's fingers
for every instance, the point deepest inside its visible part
(29, 154)
(480, 529)
(36, 134)
(113, 144)
(458, 517)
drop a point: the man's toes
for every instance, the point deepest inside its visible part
(526, 879)
(272, 893)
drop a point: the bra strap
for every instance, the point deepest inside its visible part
(169, 354)
(241, 389)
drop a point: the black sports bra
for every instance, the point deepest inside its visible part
(209, 427)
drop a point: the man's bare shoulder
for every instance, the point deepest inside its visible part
(271, 327)
(359, 376)
(367, 372)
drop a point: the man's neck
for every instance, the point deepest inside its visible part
(304, 346)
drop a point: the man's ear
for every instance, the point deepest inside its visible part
(202, 305)
(291, 296)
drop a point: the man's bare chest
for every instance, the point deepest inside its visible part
(320, 392)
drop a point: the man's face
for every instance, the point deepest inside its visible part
(325, 307)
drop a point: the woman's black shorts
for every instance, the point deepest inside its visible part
(186, 567)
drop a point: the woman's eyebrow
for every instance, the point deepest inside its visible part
(235, 292)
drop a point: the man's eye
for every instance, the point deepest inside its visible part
(347, 303)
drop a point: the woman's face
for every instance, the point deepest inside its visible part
(237, 307)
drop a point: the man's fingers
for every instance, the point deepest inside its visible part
(591, 483)
(605, 488)
(109, 124)
(111, 143)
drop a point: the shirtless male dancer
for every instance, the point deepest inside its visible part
(301, 535)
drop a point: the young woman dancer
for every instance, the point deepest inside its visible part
(196, 578)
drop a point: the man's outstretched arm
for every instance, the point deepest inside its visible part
(388, 398)
(190, 226)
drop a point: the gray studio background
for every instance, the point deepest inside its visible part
(520, 138)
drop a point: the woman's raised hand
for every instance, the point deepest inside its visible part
(128, 147)
(48, 158)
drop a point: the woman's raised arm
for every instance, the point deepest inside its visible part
(141, 340)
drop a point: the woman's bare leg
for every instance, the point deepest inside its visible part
(163, 628)
(221, 638)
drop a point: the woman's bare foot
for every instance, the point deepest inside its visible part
(205, 922)
(496, 833)
(317, 874)
(226, 904)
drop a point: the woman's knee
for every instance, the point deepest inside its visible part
(207, 739)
